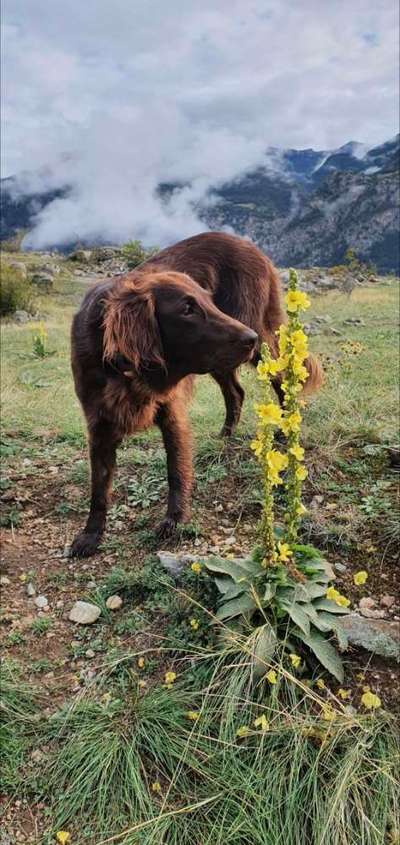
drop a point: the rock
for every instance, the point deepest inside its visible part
(90, 653)
(84, 613)
(30, 589)
(4, 581)
(20, 268)
(21, 317)
(41, 602)
(387, 601)
(82, 255)
(175, 563)
(341, 567)
(37, 755)
(367, 603)
(375, 635)
(372, 614)
(316, 501)
(354, 321)
(114, 602)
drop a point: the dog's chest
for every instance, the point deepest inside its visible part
(129, 406)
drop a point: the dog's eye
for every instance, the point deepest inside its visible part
(188, 309)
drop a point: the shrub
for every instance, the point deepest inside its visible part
(15, 291)
(135, 253)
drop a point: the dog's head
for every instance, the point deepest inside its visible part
(165, 320)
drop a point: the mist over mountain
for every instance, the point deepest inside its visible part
(301, 207)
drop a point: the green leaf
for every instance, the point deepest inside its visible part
(317, 618)
(314, 590)
(324, 652)
(297, 615)
(270, 591)
(308, 552)
(340, 634)
(229, 588)
(330, 606)
(232, 568)
(236, 607)
(263, 648)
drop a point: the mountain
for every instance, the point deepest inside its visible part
(302, 207)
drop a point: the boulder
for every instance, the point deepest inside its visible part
(378, 636)
(43, 281)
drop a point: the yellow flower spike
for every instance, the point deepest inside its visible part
(262, 723)
(344, 694)
(301, 510)
(156, 786)
(297, 452)
(192, 715)
(320, 683)
(257, 447)
(291, 423)
(196, 568)
(276, 460)
(360, 577)
(194, 624)
(371, 701)
(295, 660)
(170, 677)
(301, 473)
(270, 414)
(296, 301)
(272, 676)
(242, 731)
(141, 662)
(63, 836)
(284, 552)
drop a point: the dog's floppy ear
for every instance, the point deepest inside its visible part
(130, 326)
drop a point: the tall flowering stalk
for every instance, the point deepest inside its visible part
(290, 362)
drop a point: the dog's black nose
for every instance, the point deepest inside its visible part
(248, 338)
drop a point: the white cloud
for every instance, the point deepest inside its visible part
(113, 98)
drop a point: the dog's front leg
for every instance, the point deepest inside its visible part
(173, 422)
(103, 445)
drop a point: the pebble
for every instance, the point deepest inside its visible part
(90, 653)
(367, 603)
(387, 601)
(114, 602)
(4, 581)
(340, 567)
(84, 613)
(60, 604)
(30, 589)
(41, 602)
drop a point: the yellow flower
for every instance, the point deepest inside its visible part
(271, 676)
(141, 662)
(360, 577)
(301, 473)
(298, 340)
(263, 370)
(156, 786)
(295, 660)
(194, 624)
(291, 423)
(169, 678)
(276, 460)
(360, 676)
(300, 370)
(285, 551)
(296, 301)
(257, 447)
(63, 836)
(192, 715)
(270, 413)
(370, 700)
(343, 694)
(334, 595)
(320, 683)
(283, 339)
(242, 731)
(261, 722)
(301, 510)
(328, 713)
(196, 568)
(297, 452)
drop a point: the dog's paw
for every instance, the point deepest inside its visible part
(166, 528)
(85, 544)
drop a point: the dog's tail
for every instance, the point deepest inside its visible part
(275, 316)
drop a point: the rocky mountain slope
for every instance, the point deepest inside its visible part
(302, 207)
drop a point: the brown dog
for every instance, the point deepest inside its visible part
(138, 339)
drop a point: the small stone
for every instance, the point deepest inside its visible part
(41, 602)
(341, 567)
(114, 602)
(84, 613)
(316, 501)
(175, 563)
(367, 603)
(90, 653)
(4, 581)
(372, 614)
(59, 604)
(91, 585)
(30, 589)
(387, 601)
(37, 755)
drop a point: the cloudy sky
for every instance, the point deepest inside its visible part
(113, 96)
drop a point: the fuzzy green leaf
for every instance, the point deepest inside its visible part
(228, 588)
(336, 627)
(324, 651)
(236, 607)
(297, 615)
(324, 625)
(270, 591)
(264, 648)
(330, 606)
(232, 568)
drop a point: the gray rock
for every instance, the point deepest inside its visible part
(4, 581)
(43, 281)
(21, 316)
(30, 589)
(372, 614)
(341, 567)
(114, 602)
(41, 602)
(84, 613)
(378, 636)
(175, 563)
